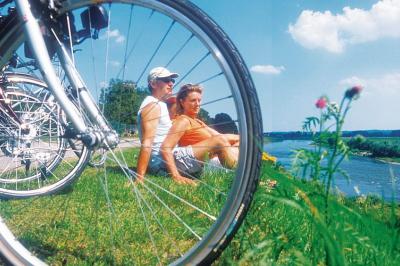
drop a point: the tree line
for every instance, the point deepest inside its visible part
(120, 102)
(376, 148)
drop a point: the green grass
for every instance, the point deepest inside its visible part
(77, 226)
(284, 226)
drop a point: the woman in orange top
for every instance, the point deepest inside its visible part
(188, 130)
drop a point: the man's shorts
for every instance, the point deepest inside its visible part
(185, 161)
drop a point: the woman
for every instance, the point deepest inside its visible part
(190, 131)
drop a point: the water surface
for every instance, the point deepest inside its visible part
(370, 176)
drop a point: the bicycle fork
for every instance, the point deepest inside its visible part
(107, 134)
(89, 136)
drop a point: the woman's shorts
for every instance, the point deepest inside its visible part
(185, 161)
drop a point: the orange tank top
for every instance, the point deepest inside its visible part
(195, 133)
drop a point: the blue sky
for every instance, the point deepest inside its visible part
(298, 50)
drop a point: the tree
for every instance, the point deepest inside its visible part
(223, 123)
(205, 117)
(121, 101)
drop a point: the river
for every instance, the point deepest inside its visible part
(367, 175)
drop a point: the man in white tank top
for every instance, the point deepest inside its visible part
(154, 123)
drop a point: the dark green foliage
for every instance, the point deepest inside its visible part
(121, 101)
(205, 117)
(377, 148)
(223, 123)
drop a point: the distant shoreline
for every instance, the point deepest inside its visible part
(369, 133)
(394, 160)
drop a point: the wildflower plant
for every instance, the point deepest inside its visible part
(322, 162)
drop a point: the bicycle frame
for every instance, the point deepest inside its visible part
(33, 34)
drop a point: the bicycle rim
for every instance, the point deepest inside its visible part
(159, 222)
(36, 160)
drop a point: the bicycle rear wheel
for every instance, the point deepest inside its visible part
(110, 219)
(36, 157)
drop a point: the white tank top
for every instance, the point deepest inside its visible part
(164, 124)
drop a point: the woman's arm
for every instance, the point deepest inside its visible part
(174, 135)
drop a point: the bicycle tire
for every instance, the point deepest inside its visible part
(38, 183)
(219, 234)
(17, 94)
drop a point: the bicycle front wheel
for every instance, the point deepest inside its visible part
(110, 219)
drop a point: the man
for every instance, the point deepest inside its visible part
(154, 123)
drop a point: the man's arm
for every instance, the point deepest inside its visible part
(150, 117)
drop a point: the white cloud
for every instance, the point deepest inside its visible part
(114, 34)
(352, 81)
(114, 63)
(120, 39)
(333, 32)
(386, 85)
(267, 69)
(378, 106)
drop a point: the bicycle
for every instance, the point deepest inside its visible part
(32, 142)
(157, 210)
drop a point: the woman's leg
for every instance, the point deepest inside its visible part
(220, 145)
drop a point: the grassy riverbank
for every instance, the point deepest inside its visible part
(285, 225)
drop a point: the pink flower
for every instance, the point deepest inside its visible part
(353, 92)
(321, 103)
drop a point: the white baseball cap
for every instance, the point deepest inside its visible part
(160, 72)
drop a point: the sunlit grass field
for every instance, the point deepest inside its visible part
(99, 220)
(285, 225)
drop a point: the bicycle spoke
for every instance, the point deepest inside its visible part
(210, 78)
(139, 37)
(147, 226)
(173, 213)
(159, 222)
(180, 50)
(155, 52)
(110, 215)
(127, 42)
(193, 68)
(213, 218)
